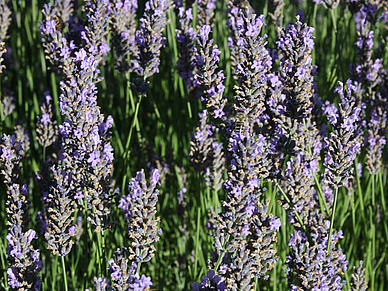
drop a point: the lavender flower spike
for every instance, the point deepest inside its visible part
(46, 127)
(61, 207)
(310, 267)
(24, 263)
(123, 19)
(139, 207)
(186, 37)
(85, 139)
(96, 31)
(210, 282)
(276, 14)
(296, 68)
(207, 59)
(343, 144)
(5, 20)
(124, 276)
(252, 64)
(358, 282)
(205, 13)
(149, 41)
(56, 47)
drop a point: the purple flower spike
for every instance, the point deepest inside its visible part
(343, 143)
(23, 259)
(205, 13)
(149, 41)
(139, 207)
(206, 61)
(46, 126)
(123, 18)
(123, 274)
(5, 20)
(186, 37)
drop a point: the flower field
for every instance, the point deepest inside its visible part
(193, 145)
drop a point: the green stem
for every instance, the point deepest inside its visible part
(197, 241)
(334, 19)
(219, 261)
(138, 267)
(64, 272)
(55, 268)
(126, 153)
(3, 266)
(359, 190)
(383, 204)
(101, 260)
(332, 218)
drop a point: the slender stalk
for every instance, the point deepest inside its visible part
(54, 269)
(359, 190)
(383, 205)
(101, 260)
(64, 273)
(219, 261)
(126, 153)
(3, 265)
(197, 241)
(332, 218)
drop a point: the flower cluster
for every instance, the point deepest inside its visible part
(149, 41)
(310, 265)
(342, 145)
(7, 100)
(139, 207)
(210, 282)
(124, 275)
(252, 64)
(186, 37)
(60, 205)
(85, 139)
(95, 35)
(358, 279)
(56, 47)
(46, 127)
(205, 13)
(123, 19)
(368, 70)
(5, 21)
(206, 153)
(206, 61)
(375, 139)
(245, 232)
(24, 263)
(277, 14)
(295, 44)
